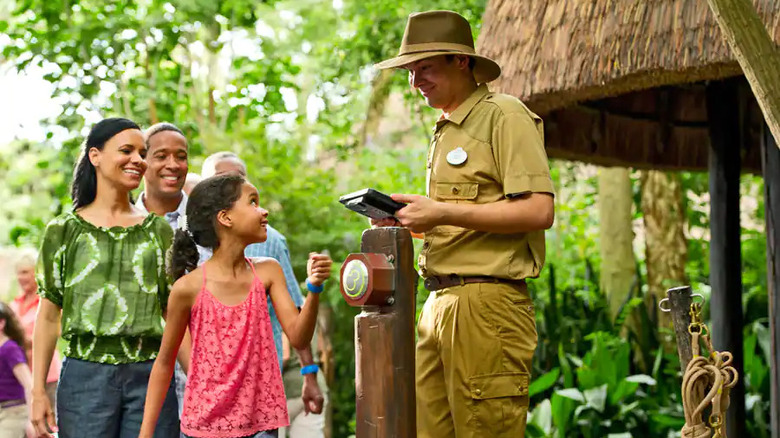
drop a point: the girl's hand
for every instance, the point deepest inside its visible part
(318, 268)
(42, 417)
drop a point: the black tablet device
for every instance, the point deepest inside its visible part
(371, 203)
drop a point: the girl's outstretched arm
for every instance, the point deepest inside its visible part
(180, 303)
(299, 328)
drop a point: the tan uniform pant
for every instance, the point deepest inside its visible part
(476, 343)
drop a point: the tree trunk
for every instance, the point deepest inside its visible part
(380, 91)
(618, 269)
(150, 71)
(756, 53)
(666, 245)
(306, 86)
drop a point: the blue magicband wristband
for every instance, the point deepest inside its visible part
(310, 369)
(314, 289)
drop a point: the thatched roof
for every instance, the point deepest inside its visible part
(557, 54)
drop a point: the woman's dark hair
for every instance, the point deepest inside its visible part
(84, 187)
(12, 327)
(161, 127)
(206, 200)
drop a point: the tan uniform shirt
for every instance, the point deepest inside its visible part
(504, 156)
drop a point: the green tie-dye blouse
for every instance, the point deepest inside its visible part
(110, 284)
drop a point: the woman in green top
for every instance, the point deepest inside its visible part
(101, 275)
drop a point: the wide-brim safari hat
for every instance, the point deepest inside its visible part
(435, 33)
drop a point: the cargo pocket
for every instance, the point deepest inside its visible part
(457, 191)
(499, 404)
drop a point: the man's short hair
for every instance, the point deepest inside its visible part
(26, 258)
(209, 167)
(161, 127)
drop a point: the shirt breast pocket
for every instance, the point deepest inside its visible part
(457, 192)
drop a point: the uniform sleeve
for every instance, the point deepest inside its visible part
(518, 148)
(282, 254)
(49, 272)
(165, 235)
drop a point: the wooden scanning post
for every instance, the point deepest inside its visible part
(770, 161)
(723, 112)
(382, 281)
(680, 307)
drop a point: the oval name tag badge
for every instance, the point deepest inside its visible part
(457, 156)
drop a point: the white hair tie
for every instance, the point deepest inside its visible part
(182, 223)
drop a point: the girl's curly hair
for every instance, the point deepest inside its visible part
(207, 199)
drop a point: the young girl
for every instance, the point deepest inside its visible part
(15, 377)
(103, 286)
(234, 386)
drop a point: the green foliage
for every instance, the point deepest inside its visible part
(591, 382)
(596, 386)
(35, 189)
(286, 85)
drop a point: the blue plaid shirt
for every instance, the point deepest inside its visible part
(276, 247)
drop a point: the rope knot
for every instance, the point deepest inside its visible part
(699, 430)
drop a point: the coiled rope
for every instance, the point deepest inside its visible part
(707, 383)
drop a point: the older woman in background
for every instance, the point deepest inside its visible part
(25, 305)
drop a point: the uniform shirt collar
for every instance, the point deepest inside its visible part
(459, 115)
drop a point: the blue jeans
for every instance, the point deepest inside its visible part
(96, 400)
(264, 434)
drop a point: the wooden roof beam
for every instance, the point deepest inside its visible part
(643, 117)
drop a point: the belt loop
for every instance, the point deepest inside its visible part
(462, 280)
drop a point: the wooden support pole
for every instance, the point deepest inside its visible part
(384, 344)
(756, 53)
(680, 308)
(723, 113)
(770, 161)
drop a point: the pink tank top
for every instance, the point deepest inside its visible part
(234, 386)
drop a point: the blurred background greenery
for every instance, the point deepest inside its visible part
(289, 85)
